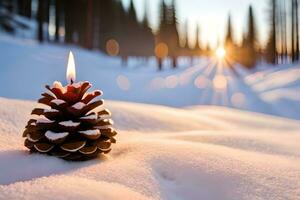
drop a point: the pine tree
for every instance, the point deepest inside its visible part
(147, 36)
(198, 43)
(296, 30)
(293, 42)
(229, 36)
(271, 51)
(133, 30)
(251, 37)
(283, 33)
(24, 8)
(186, 34)
(162, 34)
(89, 25)
(41, 19)
(249, 59)
(173, 42)
(58, 18)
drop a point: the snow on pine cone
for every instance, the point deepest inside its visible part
(71, 128)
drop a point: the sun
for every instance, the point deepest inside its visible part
(220, 52)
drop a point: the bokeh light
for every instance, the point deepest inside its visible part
(220, 52)
(220, 82)
(123, 82)
(171, 81)
(238, 99)
(201, 82)
(161, 50)
(157, 83)
(112, 47)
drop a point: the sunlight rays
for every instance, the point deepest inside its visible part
(215, 79)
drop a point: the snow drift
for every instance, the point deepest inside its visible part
(161, 153)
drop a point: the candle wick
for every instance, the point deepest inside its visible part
(72, 81)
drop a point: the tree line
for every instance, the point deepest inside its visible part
(105, 25)
(283, 43)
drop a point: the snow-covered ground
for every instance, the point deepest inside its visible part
(161, 153)
(193, 149)
(26, 66)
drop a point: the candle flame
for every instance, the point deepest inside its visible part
(71, 71)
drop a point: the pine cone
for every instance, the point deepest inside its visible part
(70, 129)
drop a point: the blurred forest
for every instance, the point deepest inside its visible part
(107, 26)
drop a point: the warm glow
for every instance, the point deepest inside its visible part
(220, 82)
(71, 72)
(220, 52)
(112, 47)
(202, 82)
(161, 50)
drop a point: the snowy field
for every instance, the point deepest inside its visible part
(193, 145)
(27, 66)
(171, 154)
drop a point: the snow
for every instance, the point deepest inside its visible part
(184, 147)
(92, 116)
(43, 121)
(51, 111)
(203, 153)
(58, 101)
(266, 90)
(55, 136)
(77, 85)
(79, 105)
(69, 123)
(90, 132)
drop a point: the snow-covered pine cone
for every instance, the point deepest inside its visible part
(70, 129)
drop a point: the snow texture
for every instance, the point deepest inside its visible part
(79, 105)
(43, 121)
(91, 117)
(202, 153)
(51, 111)
(90, 132)
(55, 136)
(69, 123)
(58, 101)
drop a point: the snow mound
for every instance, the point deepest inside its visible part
(73, 188)
(279, 87)
(161, 153)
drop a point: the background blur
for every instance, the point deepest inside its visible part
(236, 53)
(166, 28)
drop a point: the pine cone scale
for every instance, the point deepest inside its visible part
(70, 129)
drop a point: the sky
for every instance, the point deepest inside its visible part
(210, 15)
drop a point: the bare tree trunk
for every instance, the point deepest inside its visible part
(293, 32)
(68, 15)
(58, 14)
(281, 29)
(40, 19)
(89, 30)
(274, 28)
(47, 18)
(296, 30)
(174, 62)
(160, 63)
(285, 51)
(24, 8)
